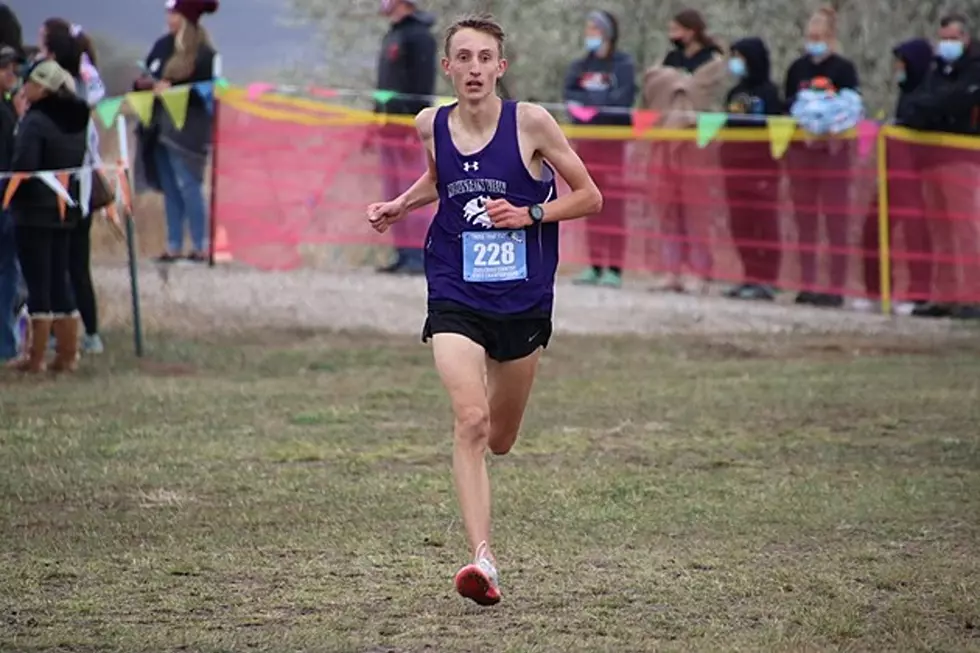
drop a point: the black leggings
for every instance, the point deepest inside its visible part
(80, 274)
(43, 253)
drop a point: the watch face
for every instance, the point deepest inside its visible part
(536, 213)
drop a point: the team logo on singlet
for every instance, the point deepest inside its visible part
(475, 212)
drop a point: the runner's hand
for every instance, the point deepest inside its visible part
(505, 215)
(382, 215)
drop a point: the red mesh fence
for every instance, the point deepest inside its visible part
(726, 212)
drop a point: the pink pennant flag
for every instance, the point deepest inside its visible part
(258, 89)
(585, 114)
(867, 134)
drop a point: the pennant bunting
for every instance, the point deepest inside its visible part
(85, 189)
(221, 82)
(257, 90)
(175, 102)
(781, 130)
(142, 103)
(12, 186)
(583, 114)
(867, 134)
(644, 119)
(709, 124)
(444, 101)
(383, 97)
(206, 91)
(108, 109)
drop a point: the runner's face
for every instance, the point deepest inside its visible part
(474, 64)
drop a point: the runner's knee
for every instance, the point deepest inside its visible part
(473, 424)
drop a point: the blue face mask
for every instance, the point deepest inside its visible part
(736, 66)
(816, 48)
(900, 77)
(949, 50)
(593, 43)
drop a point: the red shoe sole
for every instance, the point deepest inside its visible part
(472, 583)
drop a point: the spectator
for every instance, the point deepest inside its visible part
(173, 160)
(9, 266)
(912, 60)
(688, 81)
(751, 174)
(11, 33)
(407, 65)
(604, 77)
(73, 50)
(823, 85)
(51, 136)
(949, 101)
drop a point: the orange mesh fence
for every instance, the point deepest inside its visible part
(293, 175)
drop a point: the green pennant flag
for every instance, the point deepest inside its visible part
(383, 97)
(221, 82)
(175, 102)
(108, 109)
(142, 104)
(709, 124)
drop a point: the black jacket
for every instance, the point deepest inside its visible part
(52, 136)
(8, 124)
(677, 59)
(838, 71)
(948, 100)
(407, 64)
(609, 82)
(755, 94)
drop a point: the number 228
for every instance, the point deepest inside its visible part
(493, 254)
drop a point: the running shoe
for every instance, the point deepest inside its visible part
(478, 581)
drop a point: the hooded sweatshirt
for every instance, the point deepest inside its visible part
(947, 98)
(755, 94)
(596, 82)
(407, 64)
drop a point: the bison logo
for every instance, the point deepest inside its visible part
(475, 212)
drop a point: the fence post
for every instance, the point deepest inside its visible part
(884, 231)
(134, 288)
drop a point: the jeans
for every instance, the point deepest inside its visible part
(9, 281)
(183, 198)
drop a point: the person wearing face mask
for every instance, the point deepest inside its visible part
(751, 174)
(689, 80)
(604, 77)
(911, 60)
(948, 100)
(819, 169)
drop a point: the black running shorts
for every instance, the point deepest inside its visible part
(503, 337)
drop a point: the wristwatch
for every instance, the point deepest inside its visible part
(536, 213)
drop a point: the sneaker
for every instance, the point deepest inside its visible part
(478, 581)
(92, 344)
(610, 279)
(588, 277)
(167, 258)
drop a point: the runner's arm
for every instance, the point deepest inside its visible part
(550, 142)
(423, 192)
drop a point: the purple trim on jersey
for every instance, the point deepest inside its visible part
(496, 171)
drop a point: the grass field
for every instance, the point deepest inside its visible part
(292, 492)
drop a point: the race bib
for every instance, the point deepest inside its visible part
(490, 256)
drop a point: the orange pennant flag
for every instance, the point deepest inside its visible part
(15, 180)
(644, 119)
(123, 185)
(64, 178)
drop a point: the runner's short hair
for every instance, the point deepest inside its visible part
(484, 23)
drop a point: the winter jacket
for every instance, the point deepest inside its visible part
(754, 94)
(948, 99)
(407, 64)
(603, 82)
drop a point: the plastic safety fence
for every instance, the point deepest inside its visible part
(829, 215)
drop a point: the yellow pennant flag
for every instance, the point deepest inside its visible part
(175, 102)
(781, 130)
(443, 101)
(142, 104)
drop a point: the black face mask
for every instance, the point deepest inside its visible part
(678, 44)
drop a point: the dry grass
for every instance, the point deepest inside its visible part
(291, 491)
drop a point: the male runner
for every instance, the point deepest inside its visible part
(490, 259)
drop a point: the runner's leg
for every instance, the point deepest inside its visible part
(461, 364)
(508, 389)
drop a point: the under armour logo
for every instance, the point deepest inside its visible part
(471, 166)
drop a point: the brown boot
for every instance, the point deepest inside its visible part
(37, 347)
(66, 337)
